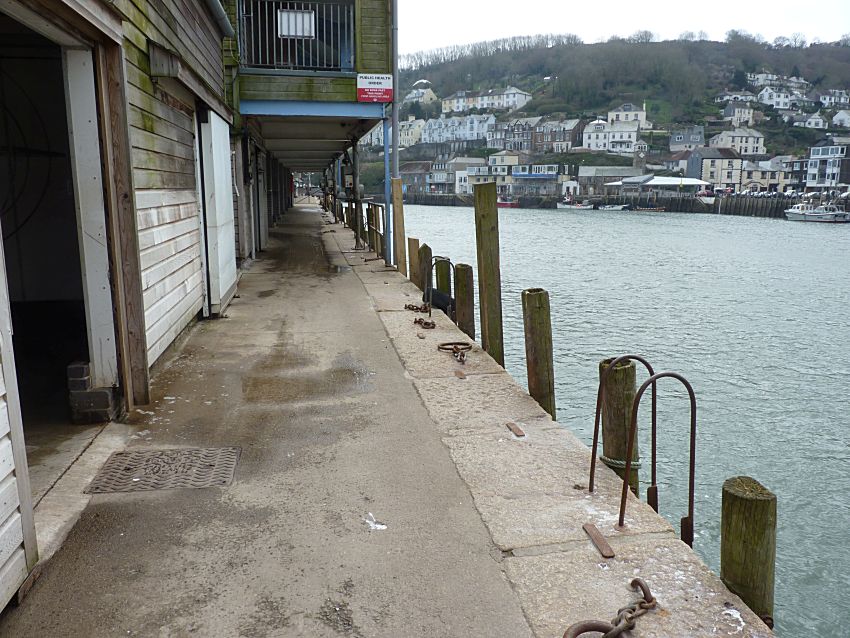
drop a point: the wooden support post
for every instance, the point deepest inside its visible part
(465, 299)
(370, 236)
(538, 348)
(399, 241)
(748, 543)
(489, 270)
(425, 267)
(413, 254)
(444, 277)
(618, 399)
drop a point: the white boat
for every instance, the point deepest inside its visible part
(569, 205)
(810, 213)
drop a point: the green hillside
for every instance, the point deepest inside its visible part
(678, 79)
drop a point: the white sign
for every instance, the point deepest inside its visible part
(374, 87)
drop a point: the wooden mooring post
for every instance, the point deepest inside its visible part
(618, 399)
(465, 299)
(413, 255)
(399, 241)
(489, 270)
(538, 348)
(424, 260)
(748, 543)
(443, 273)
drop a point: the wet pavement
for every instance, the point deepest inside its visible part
(346, 516)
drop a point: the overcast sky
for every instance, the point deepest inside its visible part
(429, 24)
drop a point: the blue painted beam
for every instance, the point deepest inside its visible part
(361, 110)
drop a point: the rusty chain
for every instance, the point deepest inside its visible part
(625, 619)
(427, 324)
(458, 349)
(423, 308)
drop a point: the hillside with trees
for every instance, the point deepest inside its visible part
(676, 78)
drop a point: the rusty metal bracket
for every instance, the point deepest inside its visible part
(652, 492)
(687, 523)
(598, 540)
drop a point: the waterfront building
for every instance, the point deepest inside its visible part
(443, 176)
(686, 139)
(773, 175)
(414, 176)
(745, 141)
(537, 179)
(592, 179)
(718, 166)
(829, 164)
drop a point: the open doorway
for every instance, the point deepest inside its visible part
(54, 245)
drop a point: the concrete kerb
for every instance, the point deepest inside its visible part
(532, 495)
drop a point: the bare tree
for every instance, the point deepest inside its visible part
(642, 37)
(845, 40)
(798, 40)
(781, 41)
(687, 36)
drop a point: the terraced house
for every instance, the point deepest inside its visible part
(146, 146)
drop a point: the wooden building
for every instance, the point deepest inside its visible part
(116, 206)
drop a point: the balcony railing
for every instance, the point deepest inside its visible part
(293, 36)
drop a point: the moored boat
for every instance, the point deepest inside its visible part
(506, 201)
(828, 213)
(573, 205)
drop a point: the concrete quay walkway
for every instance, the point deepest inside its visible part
(378, 491)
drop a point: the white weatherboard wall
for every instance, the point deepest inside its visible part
(162, 134)
(221, 229)
(18, 552)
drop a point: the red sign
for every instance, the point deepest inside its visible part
(373, 87)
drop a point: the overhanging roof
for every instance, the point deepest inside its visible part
(308, 136)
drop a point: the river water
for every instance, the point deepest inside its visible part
(754, 312)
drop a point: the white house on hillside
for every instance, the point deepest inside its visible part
(739, 114)
(422, 96)
(735, 96)
(508, 99)
(807, 120)
(618, 137)
(842, 118)
(745, 141)
(778, 98)
(834, 98)
(629, 112)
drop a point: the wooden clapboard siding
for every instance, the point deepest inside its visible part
(162, 136)
(288, 87)
(372, 36)
(182, 26)
(13, 563)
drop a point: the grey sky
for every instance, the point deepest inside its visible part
(429, 24)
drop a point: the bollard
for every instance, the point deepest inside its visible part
(413, 255)
(618, 398)
(465, 299)
(748, 543)
(400, 249)
(424, 267)
(489, 270)
(444, 277)
(538, 348)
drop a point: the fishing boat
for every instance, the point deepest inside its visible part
(829, 213)
(615, 207)
(650, 209)
(573, 205)
(506, 201)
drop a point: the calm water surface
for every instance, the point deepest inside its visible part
(754, 312)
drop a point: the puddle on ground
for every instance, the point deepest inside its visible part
(345, 375)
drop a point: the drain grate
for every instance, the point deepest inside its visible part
(136, 471)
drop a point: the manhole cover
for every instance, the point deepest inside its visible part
(136, 471)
